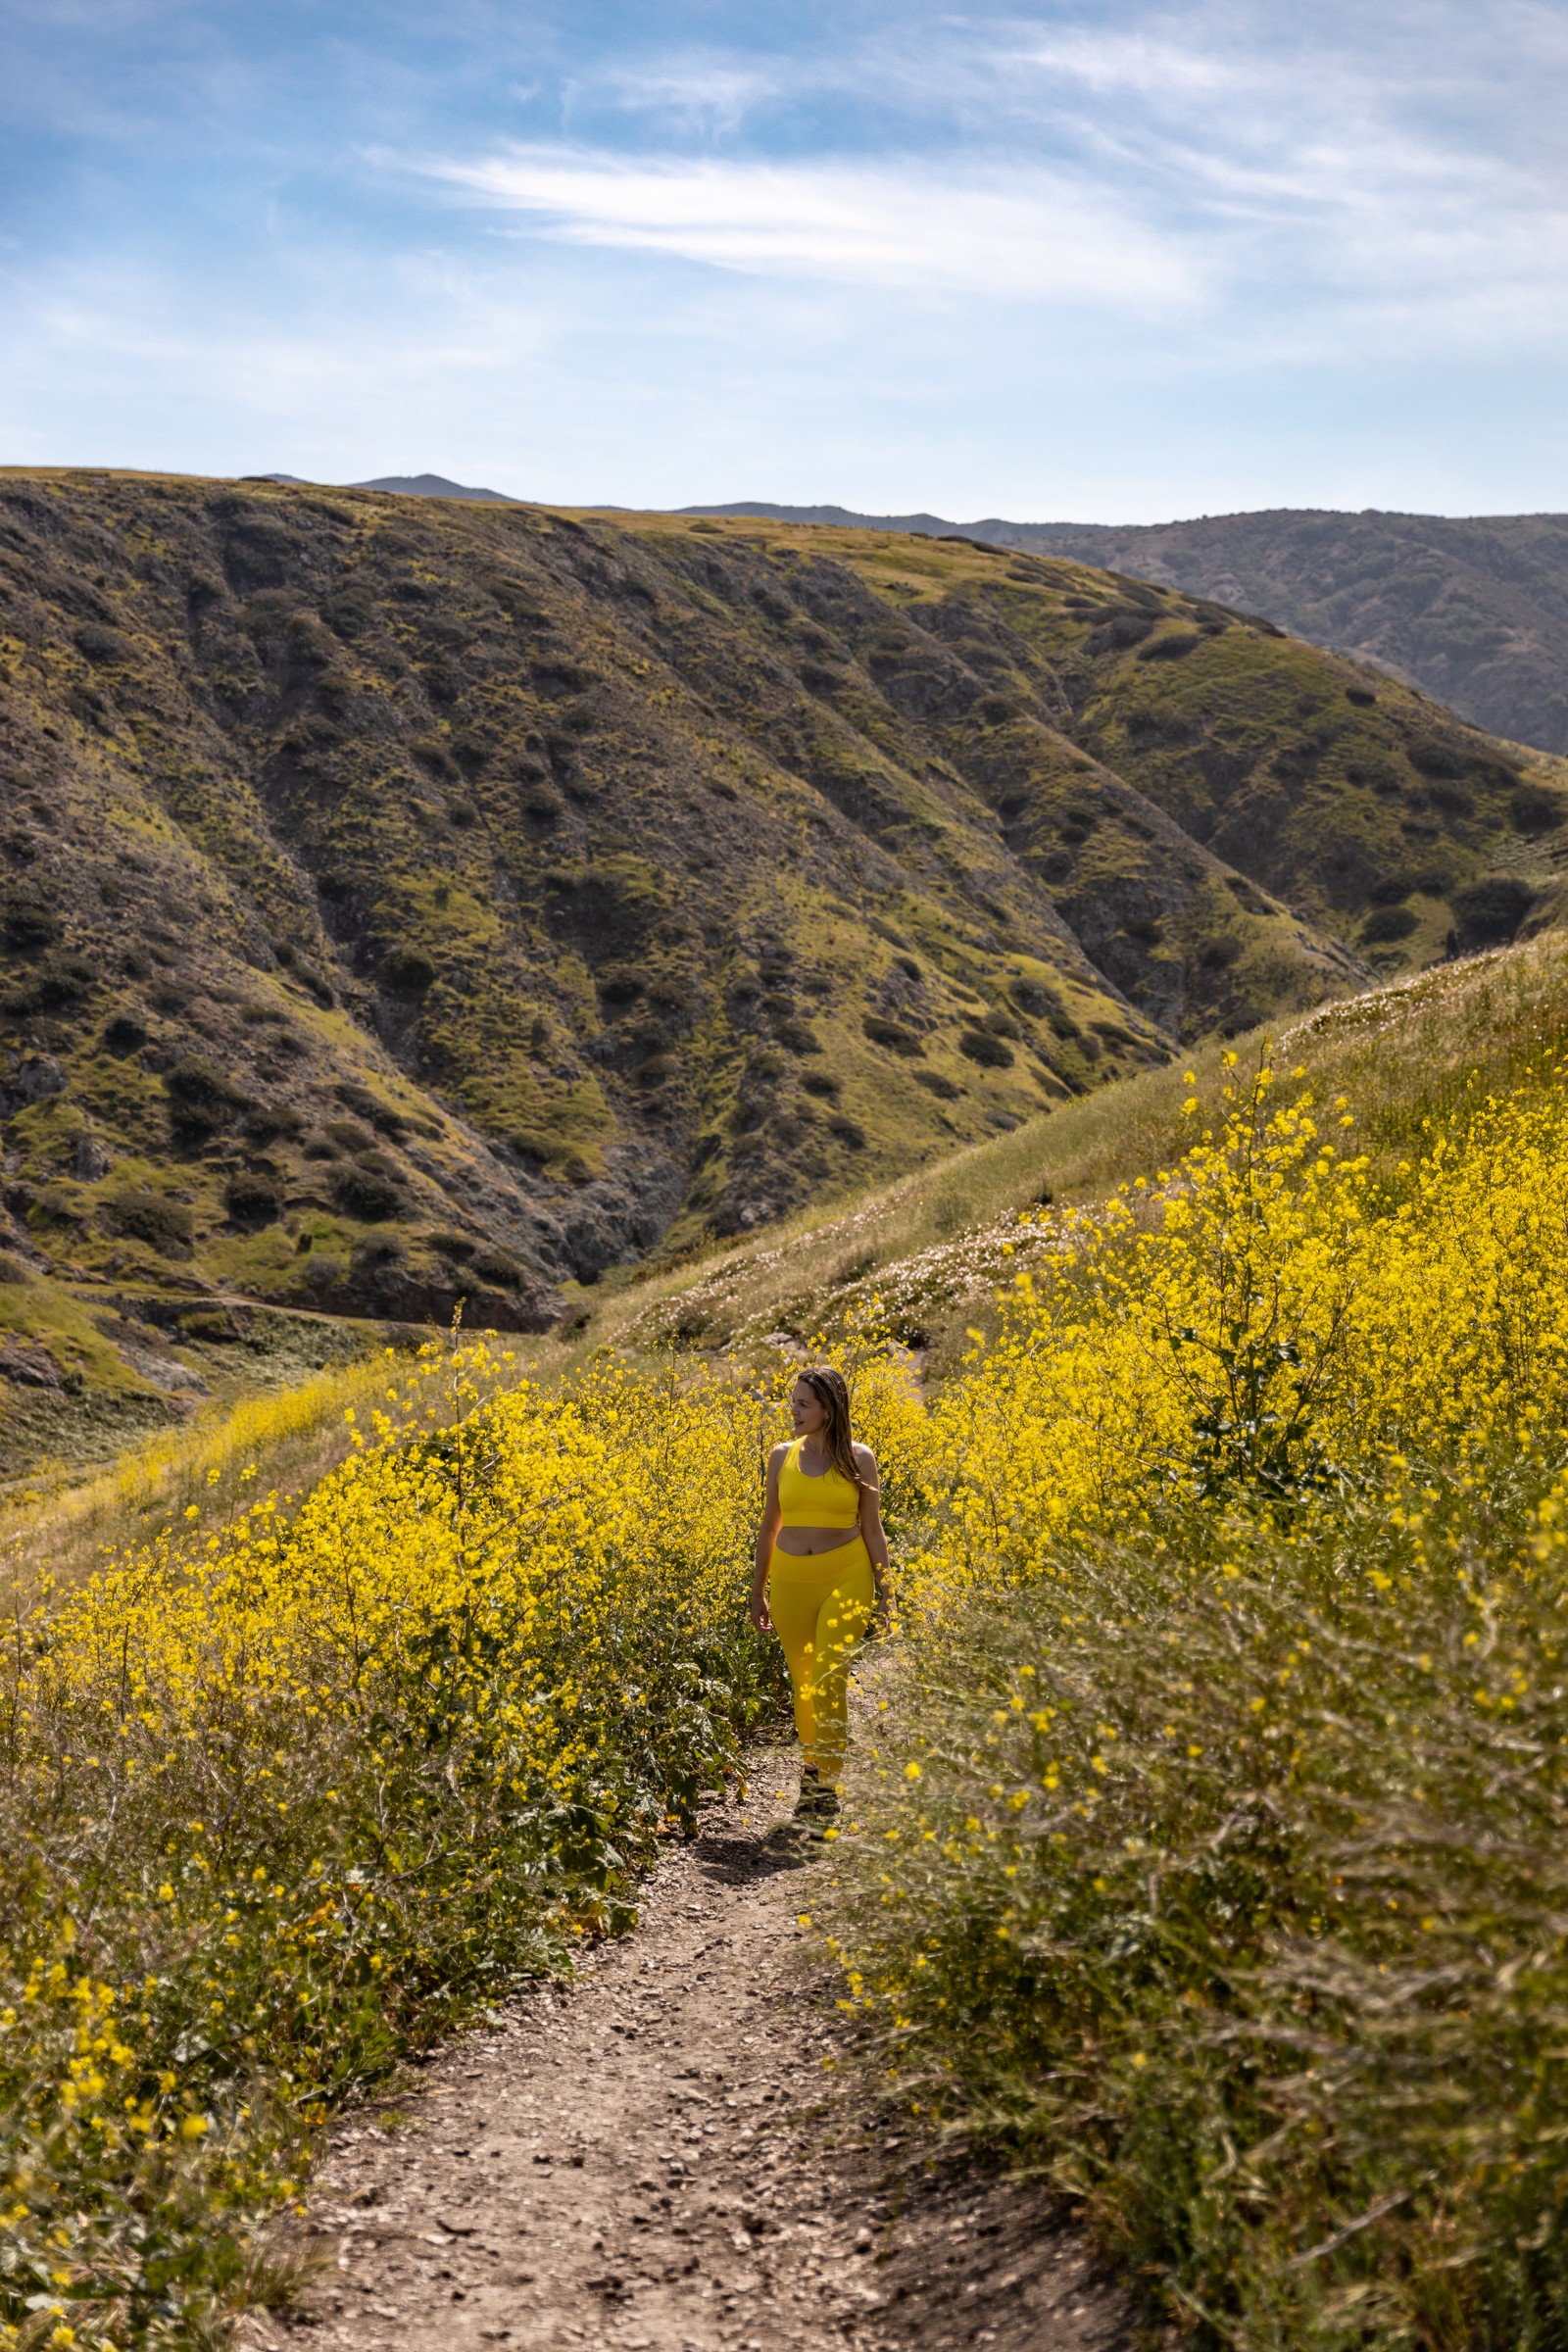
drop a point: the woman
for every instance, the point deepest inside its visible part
(821, 1566)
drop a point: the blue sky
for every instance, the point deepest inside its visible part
(1112, 262)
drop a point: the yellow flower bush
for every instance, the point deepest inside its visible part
(1212, 1854)
(1263, 1316)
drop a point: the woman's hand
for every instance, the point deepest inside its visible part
(766, 1536)
(884, 1615)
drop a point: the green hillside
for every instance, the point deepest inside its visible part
(1472, 609)
(410, 903)
(1374, 814)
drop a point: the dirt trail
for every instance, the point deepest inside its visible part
(641, 2163)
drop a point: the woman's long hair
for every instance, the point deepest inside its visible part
(831, 1391)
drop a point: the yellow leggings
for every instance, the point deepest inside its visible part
(820, 1606)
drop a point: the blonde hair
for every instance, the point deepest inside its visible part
(832, 1393)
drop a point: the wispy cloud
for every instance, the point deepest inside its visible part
(1152, 63)
(700, 97)
(1021, 232)
(1305, 179)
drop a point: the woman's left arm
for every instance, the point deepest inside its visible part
(874, 1533)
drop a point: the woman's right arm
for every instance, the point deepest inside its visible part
(772, 1516)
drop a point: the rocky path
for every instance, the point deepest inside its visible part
(643, 2162)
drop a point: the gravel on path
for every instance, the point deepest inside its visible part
(642, 2161)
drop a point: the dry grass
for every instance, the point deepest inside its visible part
(202, 1469)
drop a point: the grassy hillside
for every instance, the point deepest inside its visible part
(932, 1248)
(1384, 822)
(1472, 609)
(412, 903)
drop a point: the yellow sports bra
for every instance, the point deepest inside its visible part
(829, 1500)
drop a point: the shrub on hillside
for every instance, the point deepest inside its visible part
(891, 1034)
(1385, 923)
(99, 644)
(366, 1193)
(26, 925)
(1124, 628)
(497, 1265)
(797, 1035)
(408, 970)
(1535, 811)
(367, 1105)
(253, 1198)
(269, 1120)
(979, 1044)
(1487, 913)
(201, 1101)
(348, 1135)
(142, 1215)
(126, 1034)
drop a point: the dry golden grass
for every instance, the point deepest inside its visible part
(298, 1432)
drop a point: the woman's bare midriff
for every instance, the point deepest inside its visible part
(805, 1542)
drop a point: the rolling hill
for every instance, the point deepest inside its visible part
(407, 902)
(409, 485)
(1472, 609)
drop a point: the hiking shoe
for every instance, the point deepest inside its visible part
(823, 1811)
(810, 1791)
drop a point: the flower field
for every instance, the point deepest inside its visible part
(1209, 1857)
(1212, 1861)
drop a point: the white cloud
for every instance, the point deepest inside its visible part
(1319, 181)
(1146, 63)
(1023, 232)
(1339, 182)
(1104, 256)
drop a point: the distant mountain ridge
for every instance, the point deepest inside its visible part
(434, 485)
(406, 486)
(1472, 608)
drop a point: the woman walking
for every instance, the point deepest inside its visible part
(822, 1569)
